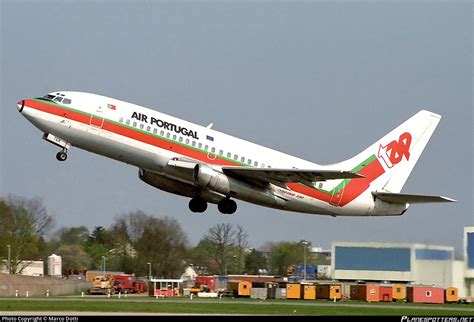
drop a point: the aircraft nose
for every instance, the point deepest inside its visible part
(20, 105)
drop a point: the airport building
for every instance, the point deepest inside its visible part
(469, 259)
(398, 263)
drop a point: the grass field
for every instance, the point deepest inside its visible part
(252, 307)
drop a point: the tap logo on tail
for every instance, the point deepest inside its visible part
(393, 152)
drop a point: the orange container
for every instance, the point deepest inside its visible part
(398, 292)
(293, 291)
(451, 295)
(425, 294)
(365, 292)
(328, 291)
(309, 292)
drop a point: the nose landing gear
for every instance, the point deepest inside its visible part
(61, 155)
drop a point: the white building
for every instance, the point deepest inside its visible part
(397, 262)
(30, 268)
(469, 260)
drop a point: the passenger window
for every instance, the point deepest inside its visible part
(229, 155)
(155, 131)
(263, 165)
(194, 143)
(141, 126)
(242, 159)
(249, 161)
(221, 152)
(213, 149)
(200, 145)
(206, 147)
(121, 120)
(148, 128)
(180, 139)
(174, 137)
(187, 141)
(134, 124)
(236, 157)
(269, 166)
(128, 122)
(162, 133)
(66, 101)
(168, 135)
(255, 164)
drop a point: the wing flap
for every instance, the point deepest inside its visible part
(409, 198)
(279, 176)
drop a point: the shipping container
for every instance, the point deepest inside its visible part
(451, 295)
(398, 292)
(239, 288)
(385, 293)
(328, 291)
(425, 294)
(309, 292)
(258, 293)
(294, 291)
(365, 292)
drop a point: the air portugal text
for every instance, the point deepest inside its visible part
(165, 125)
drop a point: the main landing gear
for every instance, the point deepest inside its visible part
(225, 206)
(197, 205)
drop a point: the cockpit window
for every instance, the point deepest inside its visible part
(49, 97)
(56, 98)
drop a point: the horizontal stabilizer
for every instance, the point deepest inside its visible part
(409, 198)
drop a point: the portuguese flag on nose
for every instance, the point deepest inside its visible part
(112, 107)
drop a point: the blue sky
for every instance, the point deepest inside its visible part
(319, 80)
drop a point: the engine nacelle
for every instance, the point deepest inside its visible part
(211, 179)
(205, 176)
(177, 186)
(167, 184)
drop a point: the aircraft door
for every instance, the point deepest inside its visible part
(337, 194)
(97, 119)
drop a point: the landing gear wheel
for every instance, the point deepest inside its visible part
(227, 206)
(197, 205)
(61, 156)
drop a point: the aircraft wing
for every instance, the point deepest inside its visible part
(409, 198)
(281, 176)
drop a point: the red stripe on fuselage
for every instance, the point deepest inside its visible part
(354, 188)
(127, 132)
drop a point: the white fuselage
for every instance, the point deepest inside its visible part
(149, 139)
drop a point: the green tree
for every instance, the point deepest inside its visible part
(284, 254)
(73, 235)
(98, 245)
(73, 256)
(158, 241)
(241, 243)
(255, 261)
(23, 224)
(219, 245)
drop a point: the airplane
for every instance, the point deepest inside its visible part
(208, 166)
